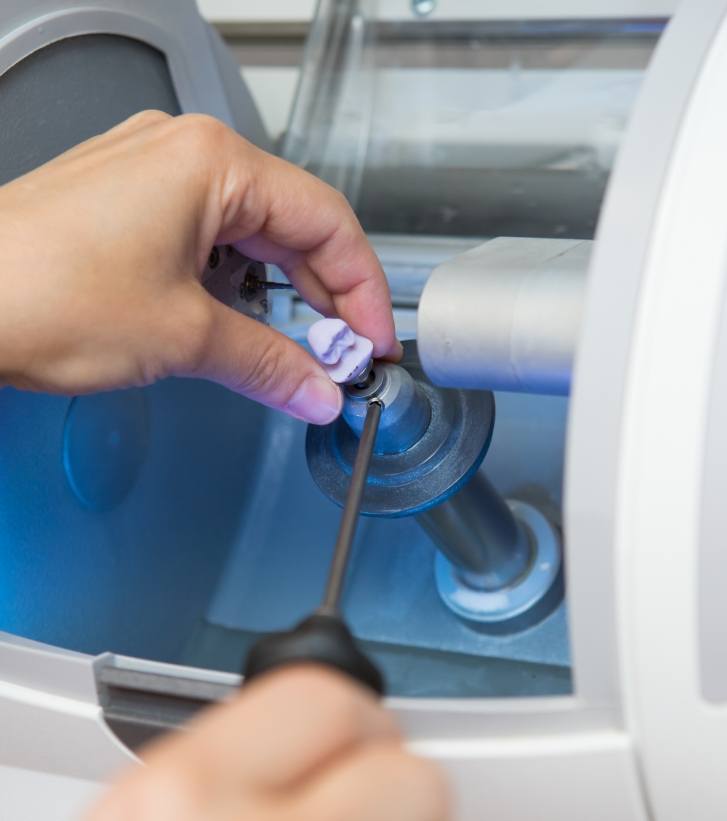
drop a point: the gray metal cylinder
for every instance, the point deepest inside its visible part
(505, 316)
(478, 533)
(474, 528)
(406, 409)
(436, 441)
(527, 599)
(498, 563)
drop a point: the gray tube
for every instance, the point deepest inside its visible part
(478, 533)
(505, 316)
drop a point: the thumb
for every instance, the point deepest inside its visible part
(263, 364)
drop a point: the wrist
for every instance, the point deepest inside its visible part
(10, 368)
(13, 339)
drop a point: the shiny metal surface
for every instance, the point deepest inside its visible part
(350, 515)
(479, 535)
(275, 575)
(430, 471)
(505, 316)
(239, 282)
(495, 566)
(407, 411)
(524, 600)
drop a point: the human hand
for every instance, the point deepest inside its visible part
(301, 744)
(101, 252)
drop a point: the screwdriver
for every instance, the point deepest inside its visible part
(323, 637)
(252, 284)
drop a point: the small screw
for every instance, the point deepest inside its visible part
(366, 378)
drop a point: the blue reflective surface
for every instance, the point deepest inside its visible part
(153, 522)
(277, 571)
(105, 444)
(136, 577)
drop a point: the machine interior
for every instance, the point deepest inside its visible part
(179, 522)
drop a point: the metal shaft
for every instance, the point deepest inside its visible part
(252, 284)
(478, 533)
(268, 285)
(349, 518)
(505, 316)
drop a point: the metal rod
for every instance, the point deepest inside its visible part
(478, 533)
(350, 515)
(269, 285)
(252, 284)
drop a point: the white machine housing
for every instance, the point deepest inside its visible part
(645, 733)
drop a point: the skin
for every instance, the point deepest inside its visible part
(299, 745)
(102, 250)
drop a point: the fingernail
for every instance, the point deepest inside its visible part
(317, 400)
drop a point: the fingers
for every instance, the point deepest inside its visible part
(284, 215)
(313, 291)
(353, 276)
(316, 219)
(299, 743)
(282, 728)
(262, 364)
(407, 789)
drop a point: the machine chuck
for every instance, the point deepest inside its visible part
(430, 441)
(499, 562)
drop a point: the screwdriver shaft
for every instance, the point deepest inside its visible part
(269, 285)
(350, 516)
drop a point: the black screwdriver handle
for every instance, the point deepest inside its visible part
(322, 638)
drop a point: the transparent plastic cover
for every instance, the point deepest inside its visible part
(466, 127)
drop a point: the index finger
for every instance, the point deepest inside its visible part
(285, 215)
